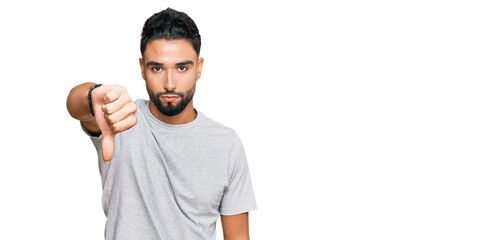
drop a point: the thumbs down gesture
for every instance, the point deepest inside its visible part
(114, 112)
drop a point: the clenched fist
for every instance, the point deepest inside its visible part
(114, 112)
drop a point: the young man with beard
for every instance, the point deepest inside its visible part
(168, 171)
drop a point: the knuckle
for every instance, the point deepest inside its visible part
(133, 108)
(105, 108)
(107, 117)
(116, 127)
(132, 122)
(111, 96)
(111, 119)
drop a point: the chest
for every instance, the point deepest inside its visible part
(186, 173)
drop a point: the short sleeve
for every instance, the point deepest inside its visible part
(239, 196)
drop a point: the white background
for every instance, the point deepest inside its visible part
(360, 119)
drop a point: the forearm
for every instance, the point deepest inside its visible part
(77, 104)
(235, 227)
(237, 238)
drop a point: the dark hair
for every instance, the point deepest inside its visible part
(170, 24)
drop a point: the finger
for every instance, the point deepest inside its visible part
(121, 114)
(117, 104)
(125, 124)
(107, 147)
(112, 94)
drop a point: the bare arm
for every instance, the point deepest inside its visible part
(235, 227)
(114, 110)
(78, 107)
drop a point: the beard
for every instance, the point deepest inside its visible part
(171, 109)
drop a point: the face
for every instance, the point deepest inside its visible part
(170, 69)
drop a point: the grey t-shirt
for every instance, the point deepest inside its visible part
(170, 181)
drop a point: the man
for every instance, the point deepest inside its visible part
(168, 171)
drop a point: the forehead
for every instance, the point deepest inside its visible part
(169, 51)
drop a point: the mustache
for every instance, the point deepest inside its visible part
(159, 94)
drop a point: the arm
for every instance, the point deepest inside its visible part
(78, 107)
(235, 227)
(114, 110)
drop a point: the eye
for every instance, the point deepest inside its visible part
(182, 68)
(156, 69)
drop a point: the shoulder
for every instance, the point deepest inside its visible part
(141, 103)
(211, 126)
(219, 135)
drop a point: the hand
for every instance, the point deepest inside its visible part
(114, 112)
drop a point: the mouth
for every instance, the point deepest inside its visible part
(169, 97)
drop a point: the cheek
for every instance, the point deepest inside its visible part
(188, 83)
(153, 78)
(186, 78)
(153, 83)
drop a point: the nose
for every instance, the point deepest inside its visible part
(170, 82)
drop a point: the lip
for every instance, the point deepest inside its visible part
(169, 98)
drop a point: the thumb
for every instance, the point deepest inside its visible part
(107, 147)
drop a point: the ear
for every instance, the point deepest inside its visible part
(142, 67)
(199, 68)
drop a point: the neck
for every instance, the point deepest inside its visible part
(186, 116)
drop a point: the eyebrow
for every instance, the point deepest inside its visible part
(154, 64)
(185, 63)
(188, 62)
